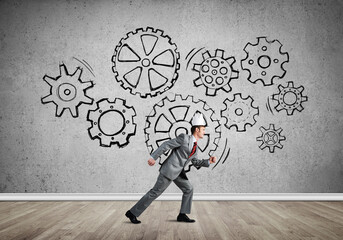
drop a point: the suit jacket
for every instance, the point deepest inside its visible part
(181, 147)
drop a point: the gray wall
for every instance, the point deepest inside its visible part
(44, 153)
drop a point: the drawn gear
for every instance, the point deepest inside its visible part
(67, 91)
(239, 112)
(112, 122)
(215, 72)
(290, 98)
(146, 62)
(169, 118)
(264, 61)
(270, 138)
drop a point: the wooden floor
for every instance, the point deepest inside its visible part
(214, 220)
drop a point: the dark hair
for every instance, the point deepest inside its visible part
(194, 127)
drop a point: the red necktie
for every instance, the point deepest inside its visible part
(193, 150)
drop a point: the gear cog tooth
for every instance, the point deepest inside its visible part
(149, 29)
(47, 99)
(93, 132)
(49, 80)
(197, 82)
(290, 84)
(211, 91)
(234, 74)
(219, 53)
(197, 67)
(63, 70)
(78, 73)
(248, 47)
(231, 60)
(227, 88)
(59, 111)
(206, 55)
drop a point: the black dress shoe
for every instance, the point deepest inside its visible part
(184, 218)
(132, 217)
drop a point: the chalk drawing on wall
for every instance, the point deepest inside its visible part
(191, 55)
(264, 61)
(268, 106)
(146, 62)
(239, 112)
(112, 122)
(67, 91)
(86, 65)
(271, 138)
(224, 156)
(215, 72)
(171, 117)
(289, 98)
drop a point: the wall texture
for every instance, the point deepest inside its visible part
(46, 150)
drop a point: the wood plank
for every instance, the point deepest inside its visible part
(214, 220)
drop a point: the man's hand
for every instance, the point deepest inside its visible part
(213, 159)
(151, 162)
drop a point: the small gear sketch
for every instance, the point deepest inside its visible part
(239, 112)
(271, 138)
(215, 72)
(67, 91)
(171, 117)
(289, 98)
(112, 122)
(146, 62)
(264, 61)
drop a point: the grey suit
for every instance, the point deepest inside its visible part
(170, 170)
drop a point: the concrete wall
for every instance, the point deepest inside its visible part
(41, 152)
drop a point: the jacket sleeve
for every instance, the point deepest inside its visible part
(200, 163)
(170, 144)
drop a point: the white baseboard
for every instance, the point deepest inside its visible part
(172, 196)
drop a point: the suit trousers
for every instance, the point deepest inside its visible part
(161, 184)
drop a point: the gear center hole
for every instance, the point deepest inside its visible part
(111, 122)
(290, 98)
(146, 62)
(239, 111)
(264, 61)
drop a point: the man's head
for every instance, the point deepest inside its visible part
(198, 125)
(198, 131)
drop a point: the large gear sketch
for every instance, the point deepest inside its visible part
(264, 61)
(112, 122)
(239, 112)
(215, 72)
(146, 62)
(271, 138)
(171, 117)
(289, 98)
(67, 91)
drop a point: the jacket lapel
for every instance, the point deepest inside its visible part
(190, 144)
